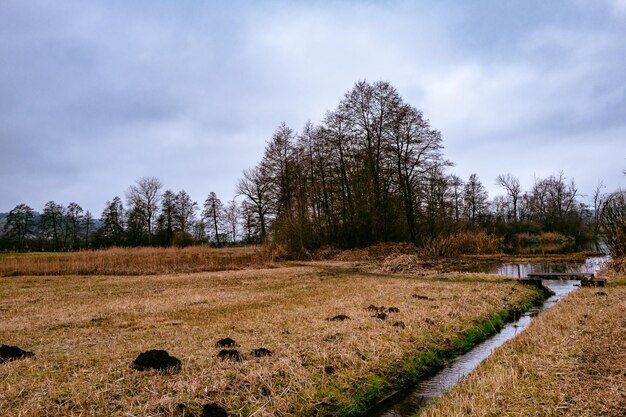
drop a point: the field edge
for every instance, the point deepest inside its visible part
(373, 389)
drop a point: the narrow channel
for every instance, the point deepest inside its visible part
(407, 403)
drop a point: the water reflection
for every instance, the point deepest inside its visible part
(521, 270)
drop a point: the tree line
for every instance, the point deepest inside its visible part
(148, 216)
(371, 171)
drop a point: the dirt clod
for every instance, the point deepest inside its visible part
(329, 370)
(213, 410)
(10, 353)
(340, 317)
(260, 352)
(232, 354)
(226, 342)
(156, 359)
(381, 316)
(420, 297)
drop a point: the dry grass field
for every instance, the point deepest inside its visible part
(571, 361)
(133, 261)
(86, 330)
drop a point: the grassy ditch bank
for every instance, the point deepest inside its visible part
(570, 361)
(415, 365)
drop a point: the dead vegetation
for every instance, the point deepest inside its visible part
(134, 261)
(85, 331)
(406, 264)
(371, 253)
(571, 361)
(615, 270)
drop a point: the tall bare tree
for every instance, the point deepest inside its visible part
(257, 188)
(143, 198)
(74, 220)
(614, 223)
(512, 187)
(19, 224)
(214, 214)
(231, 216)
(476, 196)
(186, 210)
(53, 224)
(88, 226)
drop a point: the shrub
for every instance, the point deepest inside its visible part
(613, 220)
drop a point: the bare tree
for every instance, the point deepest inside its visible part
(249, 221)
(74, 218)
(88, 225)
(214, 213)
(256, 187)
(513, 189)
(456, 193)
(113, 216)
(232, 219)
(614, 223)
(475, 199)
(166, 219)
(143, 198)
(598, 201)
(52, 223)
(186, 210)
(19, 224)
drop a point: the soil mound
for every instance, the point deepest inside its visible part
(340, 317)
(213, 410)
(260, 352)
(11, 353)
(156, 359)
(232, 354)
(226, 342)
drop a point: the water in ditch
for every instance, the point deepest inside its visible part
(407, 403)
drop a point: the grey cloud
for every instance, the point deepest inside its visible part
(97, 94)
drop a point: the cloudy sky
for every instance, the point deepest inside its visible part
(95, 94)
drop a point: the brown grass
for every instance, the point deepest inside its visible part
(134, 261)
(405, 264)
(376, 252)
(85, 331)
(614, 269)
(571, 361)
(464, 243)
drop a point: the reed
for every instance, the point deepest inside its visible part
(134, 261)
(463, 243)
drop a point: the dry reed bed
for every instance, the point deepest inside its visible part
(134, 261)
(571, 361)
(85, 331)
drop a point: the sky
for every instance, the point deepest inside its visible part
(96, 94)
